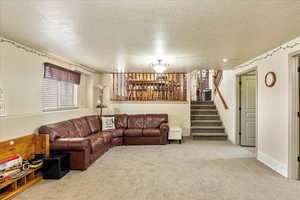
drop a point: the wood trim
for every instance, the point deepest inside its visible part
(25, 146)
(293, 133)
(217, 81)
(221, 97)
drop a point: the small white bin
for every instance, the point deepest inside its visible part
(175, 133)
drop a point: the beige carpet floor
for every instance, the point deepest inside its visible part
(200, 170)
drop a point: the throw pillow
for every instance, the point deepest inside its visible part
(108, 123)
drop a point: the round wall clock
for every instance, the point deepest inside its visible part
(270, 79)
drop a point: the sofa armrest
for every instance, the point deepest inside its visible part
(164, 130)
(69, 145)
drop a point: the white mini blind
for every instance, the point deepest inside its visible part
(49, 94)
(66, 94)
(58, 95)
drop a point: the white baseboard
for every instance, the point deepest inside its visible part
(273, 164)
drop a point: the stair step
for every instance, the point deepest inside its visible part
(199, 115)
(207, 129)
(207, 107)
(205, 117)
(210, 137)
(204, 120)
(206, 123)
(204, 112)
(202, 102)
(209, 134)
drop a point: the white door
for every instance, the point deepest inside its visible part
(248, 110)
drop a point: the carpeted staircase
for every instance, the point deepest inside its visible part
(205, 121)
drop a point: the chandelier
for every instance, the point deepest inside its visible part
(159, 67)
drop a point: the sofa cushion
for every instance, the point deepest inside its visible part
(117, 132)
(135, 121)
(154, 120)
(106, 135)
(121, 120)
(133, 132)
(82, 126)
(151, 132)
(65, 129)
(94, 123)
(96, 142)
(117, 141)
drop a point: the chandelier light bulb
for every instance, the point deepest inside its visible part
(225, 59)
(159, 67)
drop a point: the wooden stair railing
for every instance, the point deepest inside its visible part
(217, 80)
(149, 86)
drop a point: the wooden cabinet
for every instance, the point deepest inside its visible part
(27, 147)
(11, 188)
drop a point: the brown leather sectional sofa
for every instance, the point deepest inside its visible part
(84, 139)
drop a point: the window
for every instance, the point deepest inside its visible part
(149, 87)
(59, 90)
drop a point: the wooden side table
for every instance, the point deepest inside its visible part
(175, 133)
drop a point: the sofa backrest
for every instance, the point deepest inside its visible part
(94, 123)
(155, 120)
(65, 129)
(136, 121)
(141, 121)
(121, 121)
(82, 126)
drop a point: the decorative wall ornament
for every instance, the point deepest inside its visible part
(270, 79)
(2, 104)
(264, 57)
(42, 54)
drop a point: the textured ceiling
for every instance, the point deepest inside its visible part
(112, 35)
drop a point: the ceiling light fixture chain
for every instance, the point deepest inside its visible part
(288, 46)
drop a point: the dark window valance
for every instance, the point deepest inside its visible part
(55, 72)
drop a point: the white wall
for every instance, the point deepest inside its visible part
(179, 113)
(228, 91)
(21, 73)
(272, 108)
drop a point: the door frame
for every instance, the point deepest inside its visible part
(238, 96)
(240, 105)
(293, 104)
